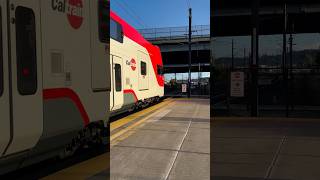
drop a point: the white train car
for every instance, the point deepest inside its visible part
(137, 69)
(54, 78)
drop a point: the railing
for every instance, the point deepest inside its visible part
(172, 33)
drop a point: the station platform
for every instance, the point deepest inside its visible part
(265, 148)
(170, 140)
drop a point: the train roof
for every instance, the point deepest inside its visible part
(131, 33)
(134, 35)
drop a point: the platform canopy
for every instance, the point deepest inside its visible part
(233, 17)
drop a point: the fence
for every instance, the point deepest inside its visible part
(302, 92)
(170, 33)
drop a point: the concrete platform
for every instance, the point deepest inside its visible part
(170, 140)
(275, 149)
(173, 143)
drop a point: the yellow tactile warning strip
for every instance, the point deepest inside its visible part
(125, 133)
(134, 116)
(83, 170)
(91, 167)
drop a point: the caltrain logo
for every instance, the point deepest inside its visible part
(72, 8)
(132, 63)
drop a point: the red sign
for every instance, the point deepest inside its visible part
(74, 13)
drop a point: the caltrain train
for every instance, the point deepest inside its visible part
(54, 78)
(136, 68)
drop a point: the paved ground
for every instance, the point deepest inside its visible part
(236, 110)
(173, 143)
(170, 140)
(274, 148)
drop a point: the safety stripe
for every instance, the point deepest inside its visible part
(131, 91)
(70, 94)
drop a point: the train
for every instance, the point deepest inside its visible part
(136, 68)
(55, 79)
(66, 66)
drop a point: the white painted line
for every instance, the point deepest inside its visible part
(180, 146)
(177, 152)
(275, 158)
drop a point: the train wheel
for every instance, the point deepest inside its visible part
(94, 135)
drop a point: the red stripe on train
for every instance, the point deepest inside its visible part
(70, 94)
(130, 91)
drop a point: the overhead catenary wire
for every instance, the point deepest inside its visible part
(122, 6)
(135, 14)
(127, 13)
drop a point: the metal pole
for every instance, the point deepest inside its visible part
(255, 58)
(284, 59)
(211, 82)
(291, 66)
(244, 57)
(232, 55)
(190, 33)
(199, 75)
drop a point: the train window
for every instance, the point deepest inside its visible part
(104, 20)
(118, 78)
(1, 55)
(143, 68)
(26, 51)
(160, 70)
(116, 32)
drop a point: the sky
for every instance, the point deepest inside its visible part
(161, 13)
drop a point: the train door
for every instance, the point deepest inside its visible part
(112, 89)
(4, 81)
(143, 71)
(25, 75)
(117, 84)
